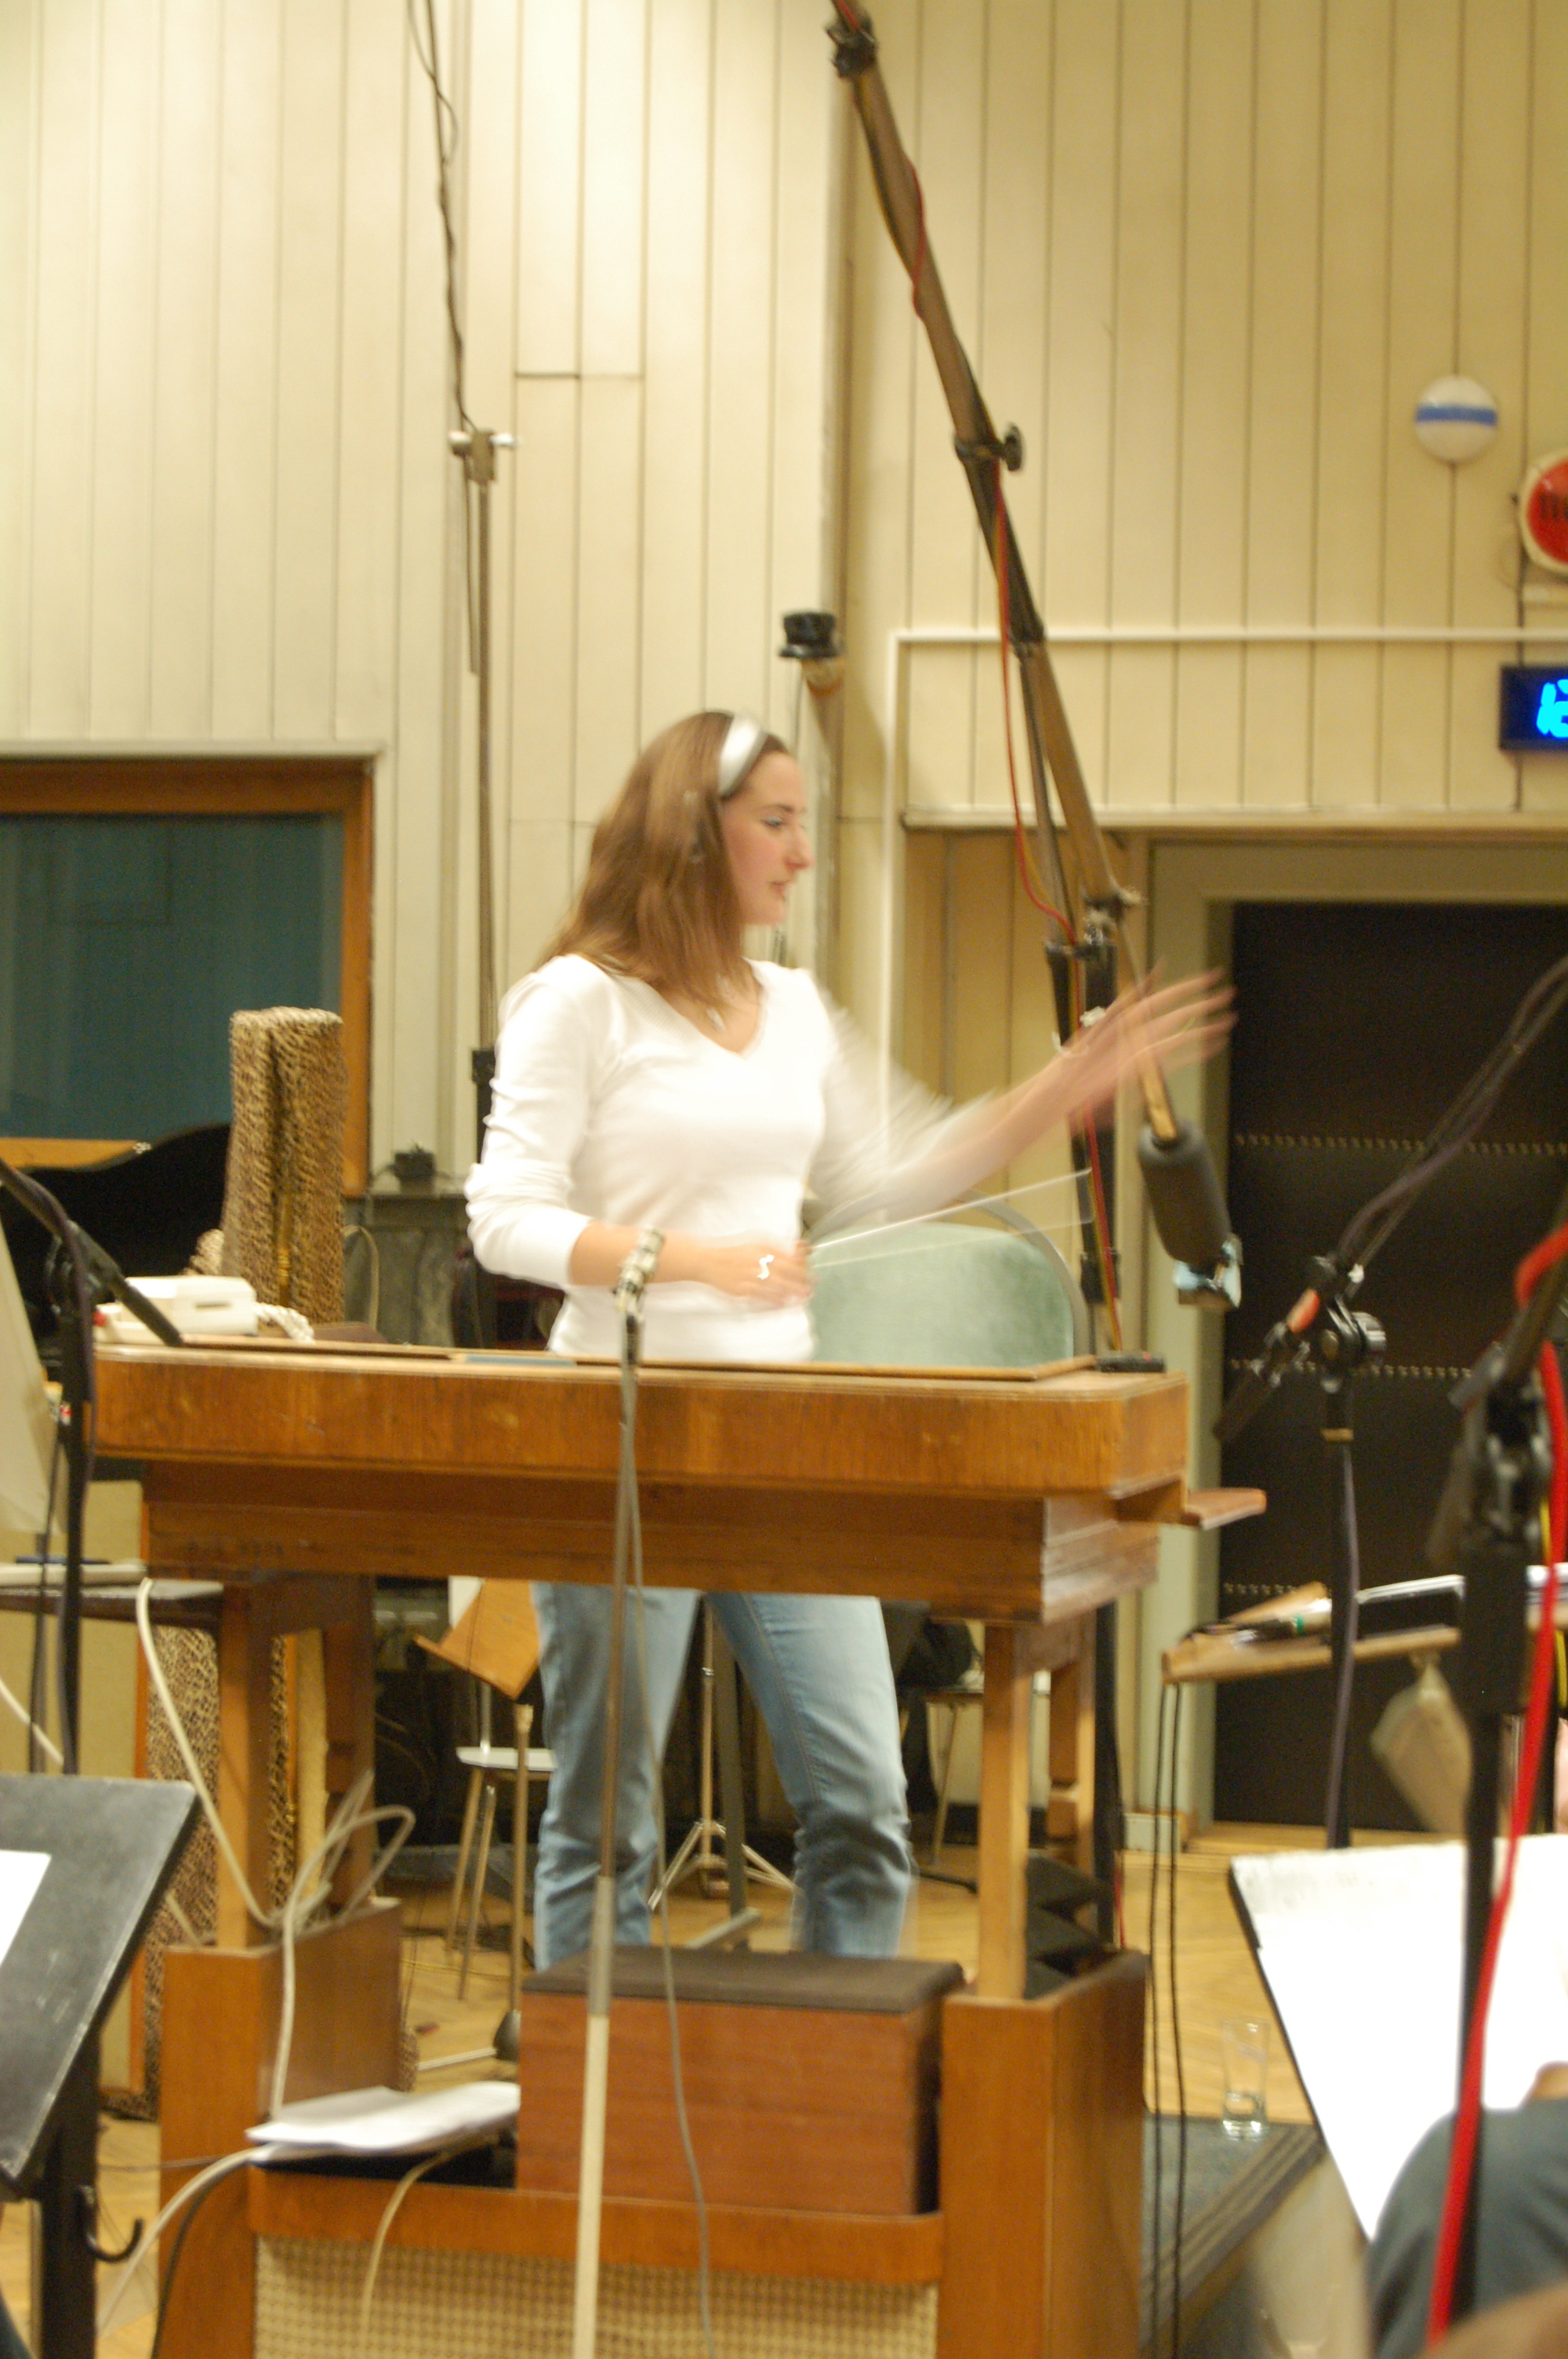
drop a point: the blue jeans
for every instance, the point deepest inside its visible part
(819, 1669)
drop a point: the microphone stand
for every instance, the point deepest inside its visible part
(1322, 1328)
(636, 1271)
(90, 1274)
(1184, 1191)
(1486, 1529)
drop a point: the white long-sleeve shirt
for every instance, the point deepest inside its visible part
(607, 1105)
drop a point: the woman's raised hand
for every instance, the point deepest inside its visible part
(1146, 1026)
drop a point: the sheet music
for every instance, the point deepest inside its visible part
(1361, 1952)
(21, 1873)
(390, 2121)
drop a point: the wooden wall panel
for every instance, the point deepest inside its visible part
(678, 417)
(244, 457)
(1206, 256)
(1352, 390)
(948, 121)
(310, 201)
(18, 63)
(180, 687)
(120, 465)
(1282, 370)
(425, 987)
(1491, 314)
(1147, 401)
(614, 137)
(59, 590)
(546, 717)
(1424, 166)
(1076, 462)
(738, 626)
(1217, 324)
(376, 92)
(549, 183)
(1545, 407)
(884, 347)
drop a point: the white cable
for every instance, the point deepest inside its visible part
(193, 1766)
(346, 1819)
(294, 1323)
(292, 1925)
(31, 1725)
(944, 1212)
(410, 2179)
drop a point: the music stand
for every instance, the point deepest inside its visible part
(1360, 1953)
(110, 1845)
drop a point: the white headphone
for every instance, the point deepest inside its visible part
(743, 742)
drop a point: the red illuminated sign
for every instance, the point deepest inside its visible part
(1543, 511)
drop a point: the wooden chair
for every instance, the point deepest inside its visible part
(496, 1640)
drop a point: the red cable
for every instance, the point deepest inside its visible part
(1461, 2157)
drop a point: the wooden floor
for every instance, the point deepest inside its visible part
(1215, 1979)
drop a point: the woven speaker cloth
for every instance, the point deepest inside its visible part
(283, 1222)
(499, 2306)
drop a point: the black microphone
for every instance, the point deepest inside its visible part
(1190, 1215)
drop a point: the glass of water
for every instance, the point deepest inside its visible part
(1244, 2053)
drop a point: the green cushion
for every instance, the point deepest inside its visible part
(949, 1295)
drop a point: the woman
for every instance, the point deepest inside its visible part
(649, 1077)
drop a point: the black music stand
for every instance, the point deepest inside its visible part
(112, 1844)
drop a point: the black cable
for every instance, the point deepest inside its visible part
(1176, 2051)
(447, 135)
(37, 1669)
(1375, 1223)
(166, 2288)
(1339, 1737)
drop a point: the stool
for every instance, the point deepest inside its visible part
(489, 1765)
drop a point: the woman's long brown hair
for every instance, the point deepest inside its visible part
(658, 901)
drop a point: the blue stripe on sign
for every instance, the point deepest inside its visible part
(1459, 412)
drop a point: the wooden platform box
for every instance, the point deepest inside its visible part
(810, 2083)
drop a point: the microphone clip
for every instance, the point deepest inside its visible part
(636, 1271)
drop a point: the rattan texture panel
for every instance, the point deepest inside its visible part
(501, 2305)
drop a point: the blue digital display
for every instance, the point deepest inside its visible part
(1533, 709)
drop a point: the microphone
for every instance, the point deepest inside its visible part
(1190, 1215)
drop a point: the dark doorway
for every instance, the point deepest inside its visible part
(1359, 1022)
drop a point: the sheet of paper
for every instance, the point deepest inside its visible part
(1362, 1954)
(21, 1873)
(389, 2121)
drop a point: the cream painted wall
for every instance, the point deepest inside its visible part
(1207, 254)
(228, 514)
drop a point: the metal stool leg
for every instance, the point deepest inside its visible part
(522, 1725)
(940, 1828)
(470, 1812)
(487, 1823)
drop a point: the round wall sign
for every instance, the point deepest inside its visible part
(1543, 511)
(1455, 420)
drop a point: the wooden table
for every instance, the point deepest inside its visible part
(1023, 1499)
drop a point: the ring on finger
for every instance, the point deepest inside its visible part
(764, 1266)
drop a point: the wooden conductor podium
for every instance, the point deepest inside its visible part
(1024, 1499)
